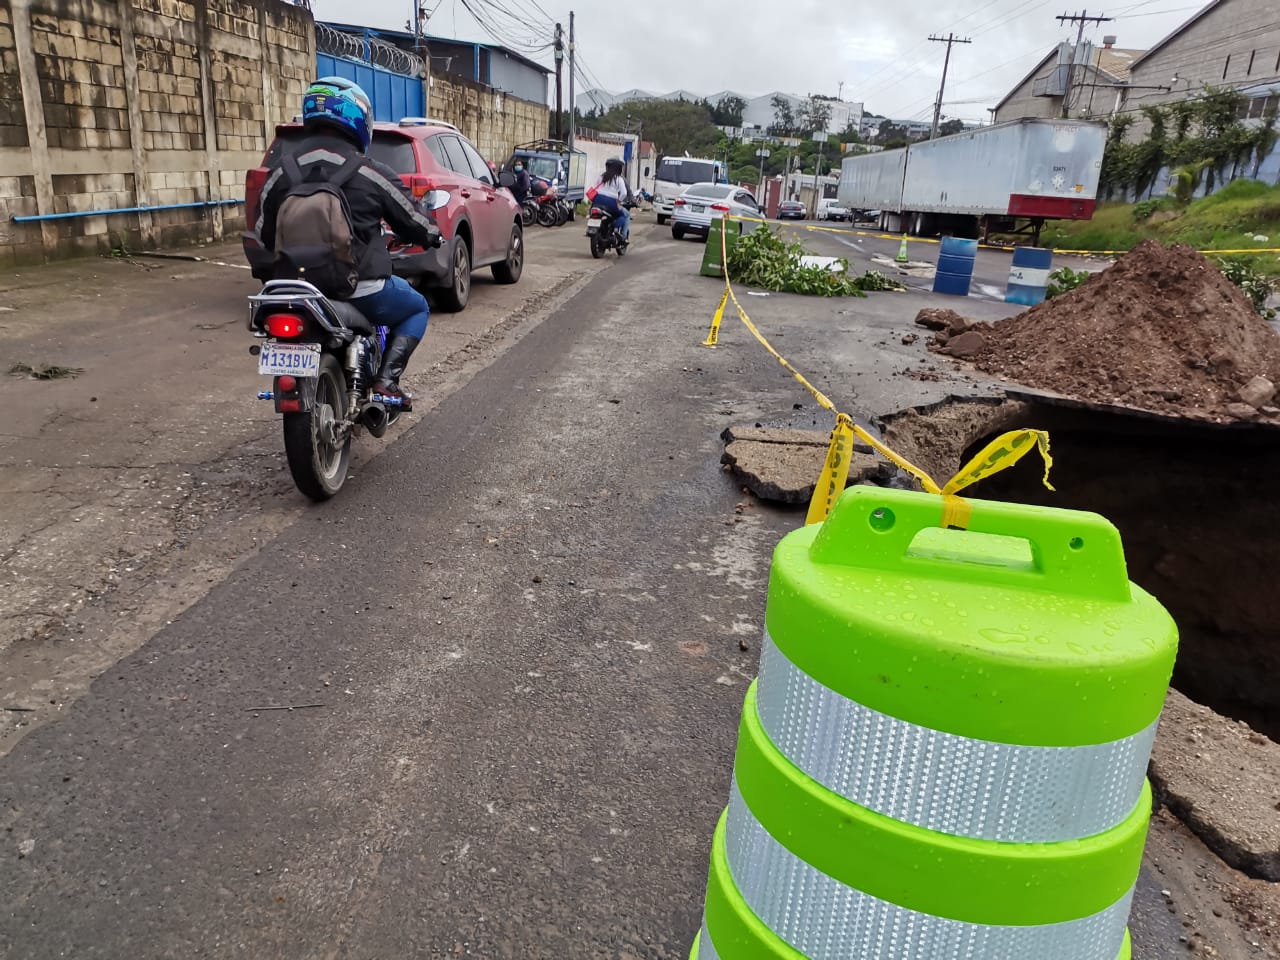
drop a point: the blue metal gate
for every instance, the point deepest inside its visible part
(394, 95)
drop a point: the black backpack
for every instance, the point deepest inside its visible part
(314, 239)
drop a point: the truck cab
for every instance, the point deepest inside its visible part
(675, 174)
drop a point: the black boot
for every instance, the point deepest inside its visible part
(387, 385)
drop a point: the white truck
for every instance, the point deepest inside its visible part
(1009, 178)
(675, 174)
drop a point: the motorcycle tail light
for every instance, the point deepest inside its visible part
(287, 384)
(597, 212)
(284, 326)
(290, 406)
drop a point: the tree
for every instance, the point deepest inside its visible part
(892, 134)
(951, 126)
(851, 134)
(728, 112)
(784, 117)
(817, 114)
(675, 126)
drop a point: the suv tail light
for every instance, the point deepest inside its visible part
(420, 186)
(284, 326)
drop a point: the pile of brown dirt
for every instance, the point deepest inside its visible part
(1162, 329)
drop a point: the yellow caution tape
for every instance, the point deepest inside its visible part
(713, 335)
(1004, 451)
(835, 470)
(1001, 453)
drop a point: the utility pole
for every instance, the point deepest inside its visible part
(559, 88)
(949, 40)
(1082, 19)
(573, 100)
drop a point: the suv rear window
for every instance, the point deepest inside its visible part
(392, 149)
(395, 151)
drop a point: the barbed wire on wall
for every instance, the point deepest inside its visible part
(369, 49)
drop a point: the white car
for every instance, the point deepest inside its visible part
(829, 209)
(693, 210)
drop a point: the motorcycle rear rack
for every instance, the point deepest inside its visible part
(299, 295)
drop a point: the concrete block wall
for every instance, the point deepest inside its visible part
(494, 121)
(139, 103)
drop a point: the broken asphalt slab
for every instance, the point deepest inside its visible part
(783, 465)
(1222, 779)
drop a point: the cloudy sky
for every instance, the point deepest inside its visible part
(878, 50)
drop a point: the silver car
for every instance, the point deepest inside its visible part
(703, 202)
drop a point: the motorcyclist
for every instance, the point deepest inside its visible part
(613, 195)
(520, 189)
(337, 119)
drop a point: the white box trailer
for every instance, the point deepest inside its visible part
(873, 181)
(1011, 177)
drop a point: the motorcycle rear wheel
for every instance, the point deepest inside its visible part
(317, 460)
(597, 246)
(528, 214)
(547, 215)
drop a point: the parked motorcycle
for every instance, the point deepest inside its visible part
(323, 356)
(601, 229)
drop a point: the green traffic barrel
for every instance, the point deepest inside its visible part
(711, 253)
(945, 752)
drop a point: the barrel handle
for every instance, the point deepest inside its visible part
(1072, 552)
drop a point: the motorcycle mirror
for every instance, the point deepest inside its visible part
(507, 179)
(436, 199)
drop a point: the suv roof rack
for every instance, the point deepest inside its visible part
(427, 122)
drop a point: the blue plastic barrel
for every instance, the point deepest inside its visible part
(1028, 276)
(955, 266)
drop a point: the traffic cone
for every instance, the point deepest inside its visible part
(902, 250)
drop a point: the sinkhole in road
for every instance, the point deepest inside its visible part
(1194, 504)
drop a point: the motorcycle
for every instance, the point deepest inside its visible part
(323, 356)
(600, 228)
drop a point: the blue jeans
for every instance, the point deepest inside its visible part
(397, 306)
(621, 215)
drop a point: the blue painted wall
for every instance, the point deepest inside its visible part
(394, 95)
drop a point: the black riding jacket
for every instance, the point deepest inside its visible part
(376, 193)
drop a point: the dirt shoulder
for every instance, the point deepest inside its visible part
(132, 487)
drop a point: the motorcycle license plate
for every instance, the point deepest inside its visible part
(699, 208)
(294, 359)
(594, 222)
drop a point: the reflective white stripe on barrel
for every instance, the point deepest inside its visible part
(941, 781)
(826, 920)
(1029, 277)
(706, 949)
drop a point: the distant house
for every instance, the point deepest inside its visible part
(1097, 80)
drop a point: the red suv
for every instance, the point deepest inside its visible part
(481, 223)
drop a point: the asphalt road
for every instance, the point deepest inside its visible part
(514, 646)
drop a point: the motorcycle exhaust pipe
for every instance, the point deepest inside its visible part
(375, 418)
